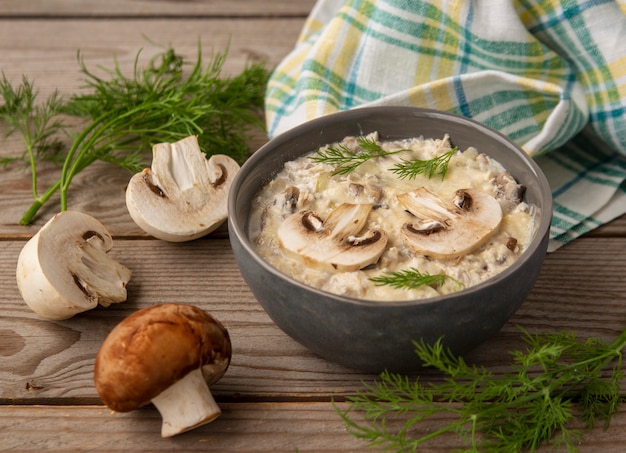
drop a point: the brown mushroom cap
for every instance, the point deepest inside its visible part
(154, 348)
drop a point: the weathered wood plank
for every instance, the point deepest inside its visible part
(125, 8)
(97, 191)
(615, 228)
(580, 289)
(47, 53)
(242, 427)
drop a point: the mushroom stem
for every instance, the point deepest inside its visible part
(186, 404)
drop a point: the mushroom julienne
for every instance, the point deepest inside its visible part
(184, 195)
(167, 354)
(65, 268)
(345, 217)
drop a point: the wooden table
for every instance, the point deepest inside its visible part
(276, 395)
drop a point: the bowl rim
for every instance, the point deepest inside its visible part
(539, 240)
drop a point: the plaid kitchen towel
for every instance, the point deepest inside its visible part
(549, 74)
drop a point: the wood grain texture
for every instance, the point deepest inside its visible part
(151, 8)
(242, 427)
(47, 54)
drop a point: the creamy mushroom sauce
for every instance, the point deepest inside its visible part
(372, 182)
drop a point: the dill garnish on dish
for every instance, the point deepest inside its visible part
(409, 169)
(346, 160)
(412, 278)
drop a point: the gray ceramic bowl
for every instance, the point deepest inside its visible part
(371, 336)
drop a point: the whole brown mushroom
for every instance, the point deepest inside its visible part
(167, 354)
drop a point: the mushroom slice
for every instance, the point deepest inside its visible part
(167, 354)
(449, 228)
(64, 269)
(510, 188)
(334, 243)
(183, 196)
(292, 194)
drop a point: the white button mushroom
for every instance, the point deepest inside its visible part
(183, 196)
(449, 228)
(333, 243)
(64, 269)
(167, 354)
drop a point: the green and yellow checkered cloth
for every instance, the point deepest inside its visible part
(549, 74)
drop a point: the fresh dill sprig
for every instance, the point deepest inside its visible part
(37, 124)
(554, 380)
(346, 160)
(411, 278)
(122, 116)
(409, 169)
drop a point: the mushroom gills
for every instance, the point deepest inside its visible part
(98, 275)
(451, 228)
(65, 268)
(334, 243)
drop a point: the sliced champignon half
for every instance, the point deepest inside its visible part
(167, 354)
(334, 243)
(65, 269)
(449, 228)
(184, 195)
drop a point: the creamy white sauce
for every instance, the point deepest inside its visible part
(321, 191)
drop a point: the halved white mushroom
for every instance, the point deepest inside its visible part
(449, 228)
(64, 269)
(183, 196)
(333, 243)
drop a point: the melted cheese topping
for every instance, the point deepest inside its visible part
(321, 191)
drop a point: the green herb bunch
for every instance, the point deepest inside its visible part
(118, 118)
(555, 381)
